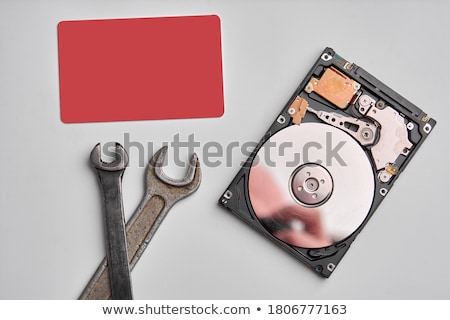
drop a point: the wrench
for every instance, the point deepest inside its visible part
(110, 177)
(161, 193)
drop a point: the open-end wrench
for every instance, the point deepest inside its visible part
(110, 177)
(161, 193)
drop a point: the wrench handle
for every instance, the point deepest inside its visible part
(140, 229)
(144, 223)
(116, 249)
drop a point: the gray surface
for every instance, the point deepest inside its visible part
(51, 227)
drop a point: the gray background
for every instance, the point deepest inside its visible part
(51, 237)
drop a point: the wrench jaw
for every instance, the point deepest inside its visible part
(120, 159)
(156, 175)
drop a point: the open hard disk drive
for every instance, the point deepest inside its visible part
(327, 161)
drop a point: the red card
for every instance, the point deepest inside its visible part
(140, 69)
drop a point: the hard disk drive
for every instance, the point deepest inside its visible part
(327, 161)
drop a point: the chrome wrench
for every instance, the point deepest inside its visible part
(161, 193)
(110, 177)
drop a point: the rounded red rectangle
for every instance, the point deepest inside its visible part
(140, 69)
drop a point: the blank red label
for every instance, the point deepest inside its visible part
(140, 69)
